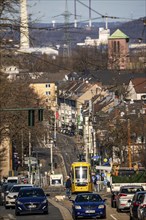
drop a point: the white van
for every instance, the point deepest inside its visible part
(56, 180)
(13, 179)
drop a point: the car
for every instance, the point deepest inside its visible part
(13, 193)
(142, 207)
(31, 200)
(5, 189)
(88, 205)
(135, 202)
(125, 195)
(144, 214)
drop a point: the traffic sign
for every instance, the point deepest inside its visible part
(31, 160)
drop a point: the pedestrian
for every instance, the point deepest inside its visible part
(94, 182)
(68, 187)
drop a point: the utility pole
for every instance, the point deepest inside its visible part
(22, 149)
(129, 145)
(29, 164)
(51, 155)
(90, 23)
(86, 137)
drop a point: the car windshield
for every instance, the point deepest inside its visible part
(8, 187)
(88, 198)
(17, 188)
(31, 193)
(131, 190)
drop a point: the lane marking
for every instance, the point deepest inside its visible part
(113, 217)
(11, 216)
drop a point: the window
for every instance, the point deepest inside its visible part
(47, 92)
(47, 85)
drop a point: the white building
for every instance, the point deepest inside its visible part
(103, 38)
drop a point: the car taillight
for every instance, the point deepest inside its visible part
(122, 194)
(142, 206)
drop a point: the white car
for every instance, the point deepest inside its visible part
(13, 193)
(124, 197)
(141, 207)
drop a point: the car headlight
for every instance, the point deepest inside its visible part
(19, 203)
(45, 201)
(101, 206)
(77, 207)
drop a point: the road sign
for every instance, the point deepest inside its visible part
(107, 168)
(31, 160)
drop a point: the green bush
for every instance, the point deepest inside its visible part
(134, 178)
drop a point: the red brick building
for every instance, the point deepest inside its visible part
(118, 50)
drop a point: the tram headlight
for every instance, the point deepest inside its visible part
(77, 207)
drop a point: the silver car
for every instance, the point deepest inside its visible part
(125, 195)
(13, 193)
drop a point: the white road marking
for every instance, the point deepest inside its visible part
(113, 217)
(11, 216)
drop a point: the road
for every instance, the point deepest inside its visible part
(61, 210)
(67, 146)
(112, 214)
(54, 214)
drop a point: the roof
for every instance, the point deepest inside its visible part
(131, 186)
(118, 34)
(110, 77)
(139, 84)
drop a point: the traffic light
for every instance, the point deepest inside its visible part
(40, 114)
(31, 117)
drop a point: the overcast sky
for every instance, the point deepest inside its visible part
(45, 10)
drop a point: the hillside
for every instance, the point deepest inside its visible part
(45, 35)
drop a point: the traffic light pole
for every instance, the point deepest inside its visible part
(29, 164)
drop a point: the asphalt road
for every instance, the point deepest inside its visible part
(54, 214)
(61, 210)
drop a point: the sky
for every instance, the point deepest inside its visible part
(44, 11)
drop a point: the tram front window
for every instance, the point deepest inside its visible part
(81, 172)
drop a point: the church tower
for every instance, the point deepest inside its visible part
(118, 50)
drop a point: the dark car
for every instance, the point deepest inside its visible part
(31, 200)
(88, 205)
(144, 214)
(135, 203)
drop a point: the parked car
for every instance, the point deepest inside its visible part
(141, 209)
(31, 200)
(126, 194)
(88, 205)
(144, 214)
(5, 189)
(13, 193)
(135, 202)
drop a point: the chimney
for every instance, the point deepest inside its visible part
(24, 33)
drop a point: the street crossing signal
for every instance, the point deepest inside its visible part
(31, 117)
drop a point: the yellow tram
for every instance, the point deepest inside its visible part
(81, 177)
